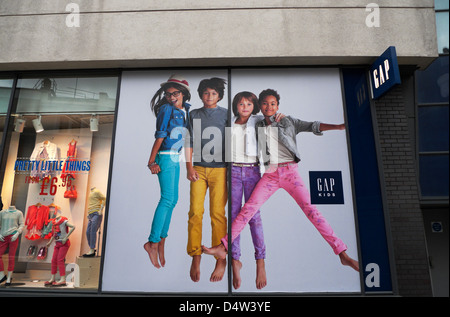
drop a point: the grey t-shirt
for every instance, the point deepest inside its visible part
(207, 136)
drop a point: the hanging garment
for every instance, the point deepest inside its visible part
(35, 221)
(68, 173)
(71, 157)
(44, 154)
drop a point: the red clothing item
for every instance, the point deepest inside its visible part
(56, 224)
(36, 216)
(58, 258)
(35, 220)
(30, 219)
(12, 246)
(71, 154)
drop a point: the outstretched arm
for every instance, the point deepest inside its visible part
(327, 126)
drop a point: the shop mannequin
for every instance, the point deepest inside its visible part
(53, 211)
(95, 216)
(11, 225)
(61, 231)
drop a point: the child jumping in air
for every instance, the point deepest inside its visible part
(282, 159)
(172, 119)
(207, 169)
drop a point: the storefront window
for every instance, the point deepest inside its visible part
(442, 9)
(443, 33)
(55, 180)
(441, 4)
(432, 119)
(5, 94)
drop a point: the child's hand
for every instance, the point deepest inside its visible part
(155, 169)
(192, 175)
(14, 237)
(279, 116)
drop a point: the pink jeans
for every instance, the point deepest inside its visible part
(11, 253)
(59, 257)
(287, 177)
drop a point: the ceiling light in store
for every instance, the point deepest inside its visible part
(37, 124)
(19, 124)
(94, 123)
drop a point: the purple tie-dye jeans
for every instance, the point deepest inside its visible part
(287, 177)
(243, 181)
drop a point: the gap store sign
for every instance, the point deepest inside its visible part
(384, 73)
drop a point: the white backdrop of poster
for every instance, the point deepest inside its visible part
(298, 259)
(135, 193)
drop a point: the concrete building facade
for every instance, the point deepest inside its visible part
(110, 38)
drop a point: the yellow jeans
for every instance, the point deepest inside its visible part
(216, 180)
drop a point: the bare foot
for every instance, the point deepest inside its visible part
(162, 259)
(236, 265)
(346, 260)
(152, 250)
(218, 251)
(195, 268)
(261, 279)
(219, 270)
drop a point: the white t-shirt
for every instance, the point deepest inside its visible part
(238, 144)
(278, 152)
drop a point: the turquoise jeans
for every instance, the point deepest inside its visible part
(168, 177)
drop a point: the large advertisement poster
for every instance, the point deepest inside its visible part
(294, 242)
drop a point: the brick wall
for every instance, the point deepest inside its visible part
(401, 186)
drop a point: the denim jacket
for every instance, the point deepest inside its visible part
(170, 125)
(288, 128)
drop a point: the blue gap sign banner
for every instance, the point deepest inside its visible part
(384, 73)
(375, 265)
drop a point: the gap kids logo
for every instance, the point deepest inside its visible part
(326, 188)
